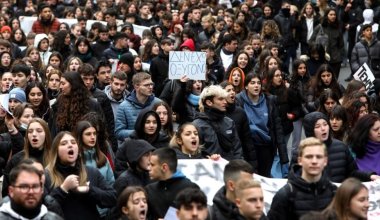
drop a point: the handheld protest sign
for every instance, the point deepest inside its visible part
(191, 64)
(365, 75)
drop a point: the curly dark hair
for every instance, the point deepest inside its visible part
(58, 43)
(73, 106)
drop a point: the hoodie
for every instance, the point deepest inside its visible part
(45, 55)
(158, 139)
(189, 43)
(368, 15)
(222, 208)
(130, 153)
(115, 103)
(6, 212)
(341, 164)
(161, 194)
(258, 116)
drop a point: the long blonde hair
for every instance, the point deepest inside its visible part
(56, 177)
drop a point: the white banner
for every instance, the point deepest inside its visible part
(365, 75)
(191, 64)
(208, 175)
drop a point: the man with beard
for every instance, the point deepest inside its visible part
(46, 22)
(25, 192)
(117, 90)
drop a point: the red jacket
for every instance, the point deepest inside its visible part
(38, 28)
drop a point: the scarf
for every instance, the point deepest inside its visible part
(193, 99)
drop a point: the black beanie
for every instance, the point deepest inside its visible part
(310, 120)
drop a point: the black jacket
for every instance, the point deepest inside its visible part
(286, 26)
(99, 47)
(161, 194)
(238, 115)
(109, 118)
(287, 102)
(222, 208)
(215, 71)
(158, 139)
(341, 164)
(159, 68)
(114, 53)
(83, 205)
(186, 112)
(129, 154)
(298, 197)
(226, 141)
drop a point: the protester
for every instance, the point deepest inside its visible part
(191, 203)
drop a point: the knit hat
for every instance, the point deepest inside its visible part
(128, 59)
(17, 94)
(127, 25)
(310, 120)
(6, 28)
(42, 6)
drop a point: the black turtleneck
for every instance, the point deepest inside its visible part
(67, 170)
(25, 212)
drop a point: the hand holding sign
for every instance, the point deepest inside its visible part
(190, 64)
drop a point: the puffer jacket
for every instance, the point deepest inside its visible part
(222, 208)
(341, 164)
(127, 114)
(364, 52)
(299, 197)
(274, 122)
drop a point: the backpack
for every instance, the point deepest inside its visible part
(292, 192)
(322, 38)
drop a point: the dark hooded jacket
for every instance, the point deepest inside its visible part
(341, 164)
(222, 208)
(130, 152)
(159, 68)
(238, 115)
(161, 194)
(158, 139)
(298, 197)
(99, 47)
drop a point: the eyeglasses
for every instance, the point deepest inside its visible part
(24, 188)
(148, 85)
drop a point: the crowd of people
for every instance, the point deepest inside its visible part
(91, 126)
